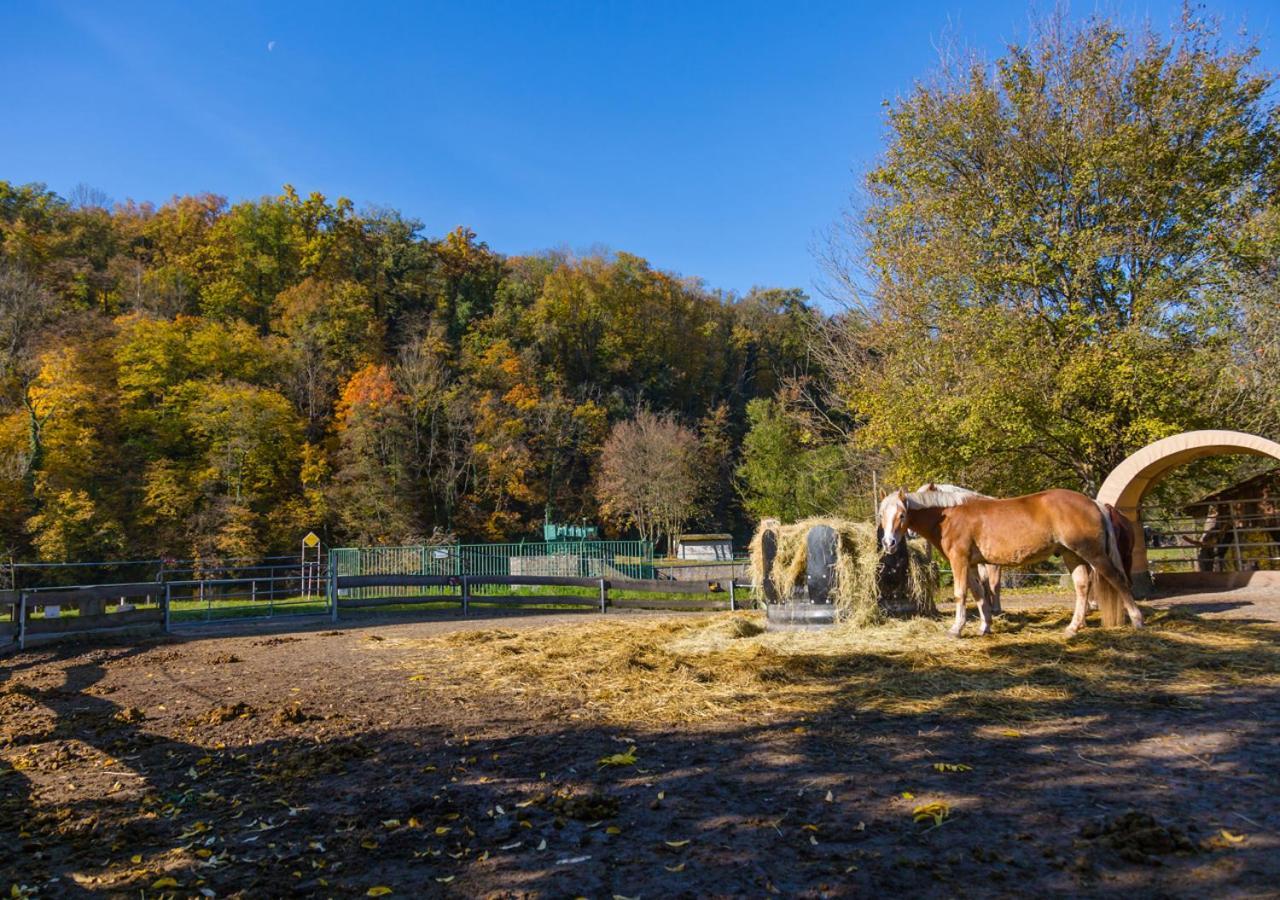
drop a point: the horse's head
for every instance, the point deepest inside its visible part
(893, 520)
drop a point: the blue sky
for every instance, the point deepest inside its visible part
(715, 139)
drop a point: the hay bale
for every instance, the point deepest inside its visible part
(857, 594)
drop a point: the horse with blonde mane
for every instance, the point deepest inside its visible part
(988, 575)
(1091, 537)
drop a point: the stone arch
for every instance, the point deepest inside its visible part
(1129, 482)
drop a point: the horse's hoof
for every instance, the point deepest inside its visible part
(986, 632)
(1070, 631)
(953, 634)
(1138, 624)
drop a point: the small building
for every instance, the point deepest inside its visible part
(705, 547)
(1239, 526)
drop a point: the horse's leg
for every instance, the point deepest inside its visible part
(1091, 600)
(1080, 575)
(993, 584)
(983, 597)
(1104, 568)
(960, 585)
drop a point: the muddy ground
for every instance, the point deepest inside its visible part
(310, 763)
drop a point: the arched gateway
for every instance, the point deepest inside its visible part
(1130, 481)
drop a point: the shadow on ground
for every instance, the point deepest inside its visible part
(309, 765)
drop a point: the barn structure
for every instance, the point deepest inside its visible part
(1130, 481)
(1237, 527)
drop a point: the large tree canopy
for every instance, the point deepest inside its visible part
(1054, 247)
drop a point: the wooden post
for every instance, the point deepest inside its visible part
(167, 598)
(22, 621)
(733, 598)
(1235, 538)
(466, 595)
(604, 595)
(333, 588)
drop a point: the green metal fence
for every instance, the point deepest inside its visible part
(574, 559)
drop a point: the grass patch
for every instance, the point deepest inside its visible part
(195, 610)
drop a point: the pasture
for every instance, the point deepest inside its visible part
(643, 754)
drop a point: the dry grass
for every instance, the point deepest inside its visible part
(672, 671)
(857, 596)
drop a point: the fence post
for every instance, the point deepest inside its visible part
(604, 595)
(22, 620)
(167, 598)
(1235, 540)
(466, 595)
(332, 581)
(733, 598)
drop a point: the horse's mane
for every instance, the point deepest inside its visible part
(938, 499)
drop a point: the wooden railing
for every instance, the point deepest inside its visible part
(23, 619)
(8, 622)
(462, 591)
(90, 604)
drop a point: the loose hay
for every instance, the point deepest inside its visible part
(858, 561)
(724, 667)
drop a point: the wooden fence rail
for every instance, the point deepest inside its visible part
(20, 624)
(93, 618)
(679, 595)
(8, 622)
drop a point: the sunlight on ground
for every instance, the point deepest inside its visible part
(725, 666)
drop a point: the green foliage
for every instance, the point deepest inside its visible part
(1054, 239)
(786, 473)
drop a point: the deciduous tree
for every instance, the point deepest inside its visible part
(1048, 240)
(649, 476)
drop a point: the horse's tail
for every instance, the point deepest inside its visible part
(1124, 532)
(1117, 541)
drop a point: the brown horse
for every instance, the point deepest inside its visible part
(988, 575)
(1090, 537)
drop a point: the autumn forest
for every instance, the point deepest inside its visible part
(211, 380)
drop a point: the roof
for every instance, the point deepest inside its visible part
(1248, 489)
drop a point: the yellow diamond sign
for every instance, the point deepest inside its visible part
(311, 540)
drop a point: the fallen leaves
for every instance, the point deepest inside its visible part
(1224, 840)
(627, 758)
(936, 812)
(952, 767)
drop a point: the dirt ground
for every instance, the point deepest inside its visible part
(346, 763)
